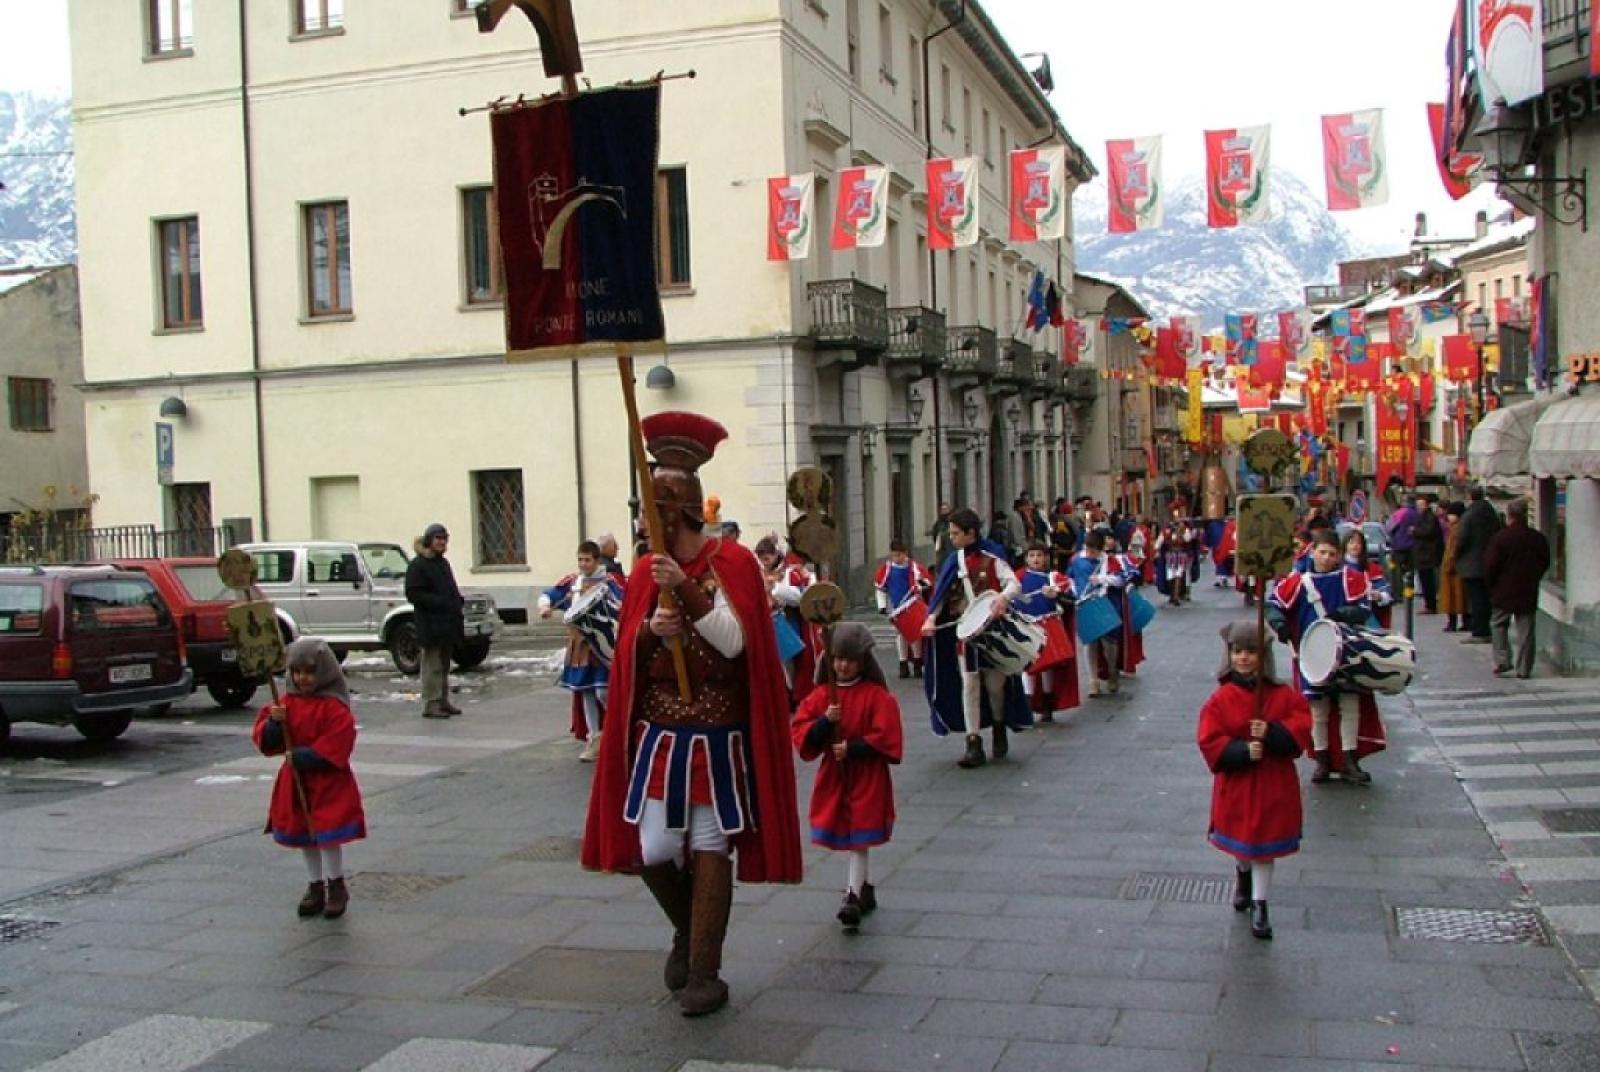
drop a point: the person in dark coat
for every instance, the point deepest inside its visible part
(1478, 525)
(1515, 560)
(1427, 551)
(431, 589)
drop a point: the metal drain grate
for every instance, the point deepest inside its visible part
(1571, 820)
(547, 849)
(396, 885)
(13, 929)
(1512, 927)
(1190, 889)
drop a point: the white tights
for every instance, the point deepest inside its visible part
(994, 681)
(324, 863)
(1349, 723)
(1260, 876)
(594, 700)
(856, 880)
(658, 845)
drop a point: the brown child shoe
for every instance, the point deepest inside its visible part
(338, 899)
(315, 898)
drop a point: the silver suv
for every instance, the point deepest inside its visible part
(353, 596)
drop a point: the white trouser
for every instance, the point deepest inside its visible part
(658, 845)
(1349, 722)
(1260, 876)
(992, 681)
(594, 700)
(324, 863)
(856, 879)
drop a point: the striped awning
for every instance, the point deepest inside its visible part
(1500, 443)
(1566, 440)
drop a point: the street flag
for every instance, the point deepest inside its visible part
(952, 202)
(1254, 399)
(1402, 330)
(1185, 341)
(1038, 193)
(1458, 171)
(1354, 165)
(790, 214)
(1294, 333)
(1236, 176)
(575, 183)
(1038, 303)
(1077, 339)
(1241, 332)
(1539, 329)
(860, 215)
(1269, 367)
(1052, 302)
(1508, 44)
(1435, 311)
(1460, 358)
(1133, 184)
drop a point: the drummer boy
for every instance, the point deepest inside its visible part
(902, 585)
(1047, 601)
(584, 672)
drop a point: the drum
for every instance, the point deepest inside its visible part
(1057, 648)
(1140, 610)
(1334, 655)
(594, 615)
(790, 643)
(908, 619)
(1007, 643)
(1097, 617)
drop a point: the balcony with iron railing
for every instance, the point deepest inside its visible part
(1333, 293)
(1015, 366)
(971, 353)
(1047, 373)
(916, 340)
(1135, 461)
(850, 315)
(1566, 40)
(1081, 383)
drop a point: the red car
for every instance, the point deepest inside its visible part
(200, 603)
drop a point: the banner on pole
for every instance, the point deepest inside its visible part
(952, 202)
(1354, 164)
(1133, 184)
(1237, 173)
(1038, 193)
(1508, 44)
(790, 215)
(575, 191)
(861, 215)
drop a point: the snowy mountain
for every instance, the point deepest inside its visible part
(37, 225)
(1186, 268)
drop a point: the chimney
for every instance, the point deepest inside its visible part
(1481, 225)
(1422, 225)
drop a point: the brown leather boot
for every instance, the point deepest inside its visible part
(314, 900)
(338, 899)
(713, 897)
(670, 886)
(973, 757)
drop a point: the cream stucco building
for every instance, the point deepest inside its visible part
(285, 224)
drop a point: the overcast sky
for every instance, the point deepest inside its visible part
(1131, 68)
(33, 46)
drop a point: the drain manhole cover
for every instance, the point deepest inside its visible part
(396, 885)
(579, 977)
(547, 849)
(1191, 889)
(13, 929)
(1571, 820)
(1512, 927)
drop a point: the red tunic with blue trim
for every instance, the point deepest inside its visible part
(327, 727)
(852, 800)
(1255, 811)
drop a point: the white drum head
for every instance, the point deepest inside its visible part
(1320, 651)
(976, 618)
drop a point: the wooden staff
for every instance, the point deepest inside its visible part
(652, 514)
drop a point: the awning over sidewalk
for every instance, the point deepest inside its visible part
(1566, 440)
(1499, 444)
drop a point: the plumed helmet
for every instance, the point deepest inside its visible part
(680, 443)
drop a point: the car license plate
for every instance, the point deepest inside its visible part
(230, 655)
(123, 675)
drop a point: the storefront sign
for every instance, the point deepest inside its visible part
(1583, 368)
(1567, 103)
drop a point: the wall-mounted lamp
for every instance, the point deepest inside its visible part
(1050, 419)
(1014, 412)
(660, 378)
(173, 406)
(969, 410)
(869, 434)
(914, 404)
(1506, 137)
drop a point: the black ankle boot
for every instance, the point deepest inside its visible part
(1243, 882)
(974, 755)
(1323, 771)
(1002, 742)
(1260, 925)
(1353, 772)
(905, 668)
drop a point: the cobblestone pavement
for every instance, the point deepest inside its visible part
(1060, 910)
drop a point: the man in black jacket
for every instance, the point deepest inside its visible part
(431, 590)
(1427, 551)
(1478, 526)
(1513, 564)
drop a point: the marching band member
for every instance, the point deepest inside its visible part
(901, 585)
(1046, 600)
(1331, 590)
(787, 579)
(1356, 557)
(1097, 572)
(1255, 795)
(963, 693)
(1173, 549)
(683, 783)
(584, 671)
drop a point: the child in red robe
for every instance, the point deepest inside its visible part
(857, 737)
(312, 727)
(1255, 796)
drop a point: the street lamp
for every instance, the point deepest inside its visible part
(969, 410)
(1014, 413)
(914, 404)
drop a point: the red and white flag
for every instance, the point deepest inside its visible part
(1354, 163)
(1458, 171)
(1294, 333)
(861, 213)
(952, 202)
(1133, 184)
(790, 214)
(1038, 193)
(1508, 41)
(1237, 170)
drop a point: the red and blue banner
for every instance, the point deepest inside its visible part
(575, 191)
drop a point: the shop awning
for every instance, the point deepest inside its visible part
(1566, 440)
(1500, 443)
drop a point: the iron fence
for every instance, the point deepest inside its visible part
(49, 541)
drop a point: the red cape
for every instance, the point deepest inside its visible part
(771, 852)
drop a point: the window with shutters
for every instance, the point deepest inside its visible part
(672, 244)
(501, 530)
(28, 401)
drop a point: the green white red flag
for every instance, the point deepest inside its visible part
(861, 213)
(1237, 173)
(1038, 193)
(1133, 184)
(1354, 163)
(952, 202)
(790, 215)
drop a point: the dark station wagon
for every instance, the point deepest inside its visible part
(85, 646)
